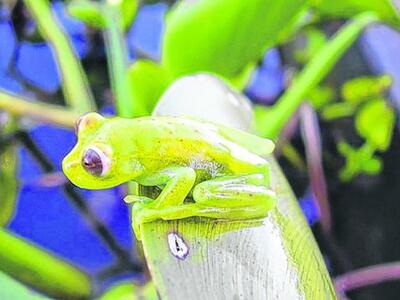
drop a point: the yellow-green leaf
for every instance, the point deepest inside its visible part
(375, 122)
(385, 9)
(364, 88)
(223, 36)
(148, 81)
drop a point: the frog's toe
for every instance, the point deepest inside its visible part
(132, 199)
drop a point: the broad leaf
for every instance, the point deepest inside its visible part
(148, 81)
(385, 9)
(223, 36)
(375, 122)
(90, 12)
(364, 88)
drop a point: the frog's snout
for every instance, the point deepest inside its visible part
(69, 164)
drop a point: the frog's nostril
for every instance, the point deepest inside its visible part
(68, 164)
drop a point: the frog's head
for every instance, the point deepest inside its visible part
(100, 159)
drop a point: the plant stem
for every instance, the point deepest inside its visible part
(39, 111)
(367, 276)
(314, 72)
(41, 270)
(118, 65)
(312, 141)
(74, 82)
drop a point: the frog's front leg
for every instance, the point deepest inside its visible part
(235, 198)
(177, 182)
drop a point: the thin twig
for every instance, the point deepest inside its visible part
(44, 112)
(312, 141)
(367, 276)
(74, 81)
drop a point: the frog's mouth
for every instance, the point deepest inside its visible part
(70, 167)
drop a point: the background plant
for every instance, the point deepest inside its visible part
(228, 38)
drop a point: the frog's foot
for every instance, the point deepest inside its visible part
(183, 211)
(238, 197)
(132, 199)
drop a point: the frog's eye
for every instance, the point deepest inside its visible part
(96, 162)
(89, 122)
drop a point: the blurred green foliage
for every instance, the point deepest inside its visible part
(16, 290)
(131, 291)
(358, 161)
(363, 98)
(223, 37)
(385, 9)
(41, 270)
(91, 12)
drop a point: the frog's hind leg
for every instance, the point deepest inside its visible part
(239, 197)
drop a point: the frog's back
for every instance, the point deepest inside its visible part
(165, 141)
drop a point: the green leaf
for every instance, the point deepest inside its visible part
(337, 110)
(223, 36)
(12, 289)
(315, 39)
(88, 12)
(360, 89)
(358, 161)
(131, 291)
(375, 122)
(385, 9)
(41, 270)
(128, 11)
(91, 12)
(148, 81)
(262, 116)
(313, 73)
(321, 96)
(372, 166)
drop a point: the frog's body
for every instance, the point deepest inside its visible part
(219, 166)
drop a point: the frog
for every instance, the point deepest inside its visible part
(203, 169)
